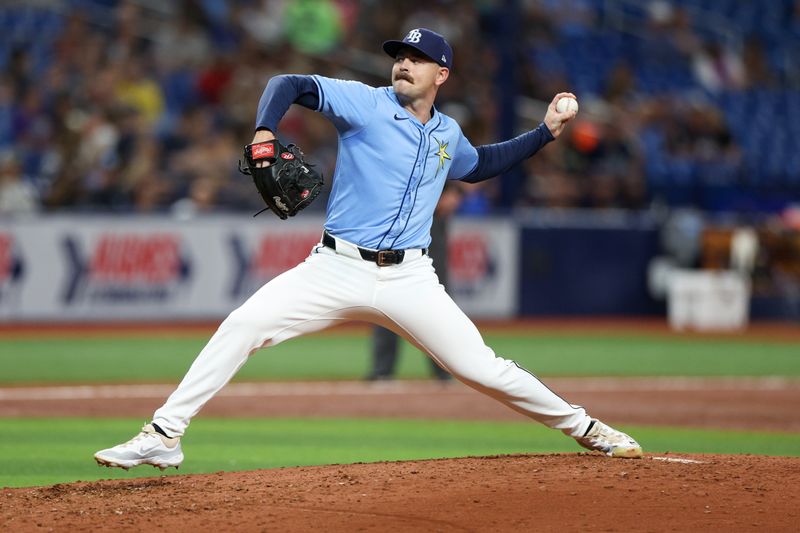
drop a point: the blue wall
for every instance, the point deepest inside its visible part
(587, 271)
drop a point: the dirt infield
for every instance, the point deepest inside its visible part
(569, 492)
(565, 492)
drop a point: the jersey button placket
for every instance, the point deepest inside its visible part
(408, 198)
(405, 211)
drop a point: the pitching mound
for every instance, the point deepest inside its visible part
(569, 492)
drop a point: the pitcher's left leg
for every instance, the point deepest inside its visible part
(429, 318)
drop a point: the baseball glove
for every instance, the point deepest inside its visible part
(288, 184)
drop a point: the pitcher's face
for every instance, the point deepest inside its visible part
(414, 74)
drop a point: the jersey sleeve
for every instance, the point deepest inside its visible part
(498, 158)
(347, 104)
(465, 158)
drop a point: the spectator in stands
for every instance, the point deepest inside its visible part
(201, 198)
(313, 26)
(136, 88)
(214, 79)
(711, 138)
(17, 195)
(183, 42)
(717, 67)
(150, 194)
(757, 71)
(262, 21)
(621, 87)
(144, 163)
(668, 39)
(548, 184)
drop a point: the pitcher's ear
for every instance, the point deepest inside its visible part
(442, 76)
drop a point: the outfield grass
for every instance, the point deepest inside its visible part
(46, 451)
(345, 356)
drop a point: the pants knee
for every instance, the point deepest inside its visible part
(492, 373)
(243, 325)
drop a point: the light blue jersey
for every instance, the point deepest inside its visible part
(390, 169)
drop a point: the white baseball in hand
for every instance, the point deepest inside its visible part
(567, 104)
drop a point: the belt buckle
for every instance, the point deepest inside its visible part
(385, 258)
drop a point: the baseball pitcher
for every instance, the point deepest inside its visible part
(395, 152)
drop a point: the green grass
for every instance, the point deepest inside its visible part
(137, 359)
(46, 451)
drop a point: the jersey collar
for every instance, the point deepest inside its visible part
(402, 114)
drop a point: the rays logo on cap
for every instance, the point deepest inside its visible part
(428, 42)
(413, 36)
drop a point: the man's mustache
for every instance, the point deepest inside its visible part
(404, 76)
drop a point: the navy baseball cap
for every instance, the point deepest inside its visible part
(426, 41)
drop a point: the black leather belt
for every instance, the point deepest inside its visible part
(379, 257)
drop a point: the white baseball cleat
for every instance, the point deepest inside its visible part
(147, 448)
(609, 441)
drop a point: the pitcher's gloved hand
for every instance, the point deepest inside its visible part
(288, 184)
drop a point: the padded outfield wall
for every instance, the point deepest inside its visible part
(537, 263)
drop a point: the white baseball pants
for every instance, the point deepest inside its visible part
(333, 286)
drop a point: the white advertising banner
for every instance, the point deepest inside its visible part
(68, 268)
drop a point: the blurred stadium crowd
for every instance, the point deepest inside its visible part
(144, 105)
